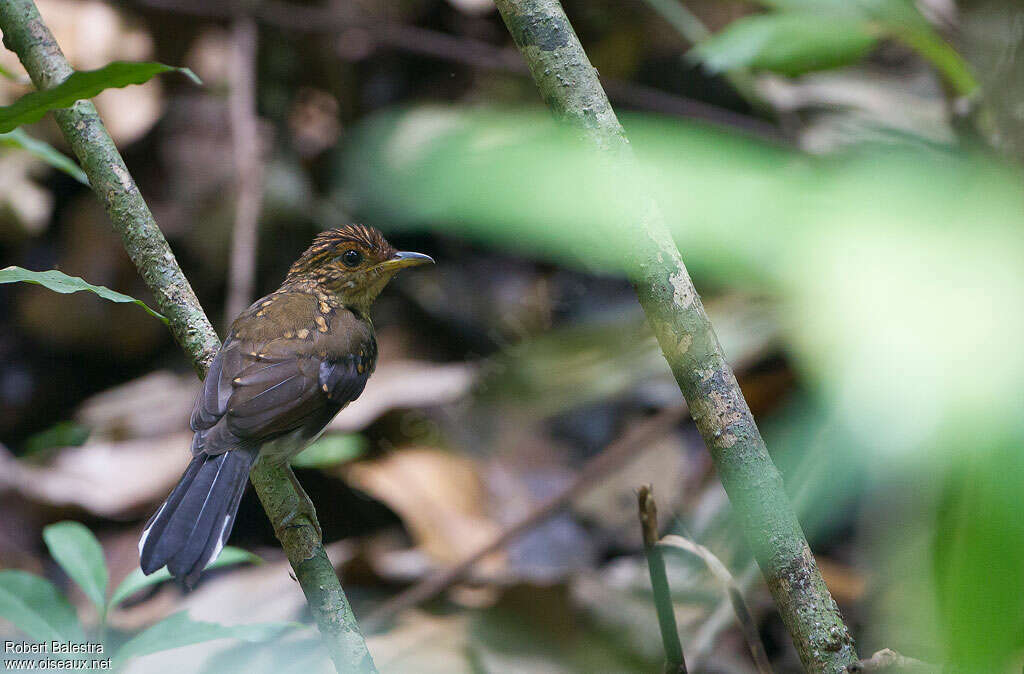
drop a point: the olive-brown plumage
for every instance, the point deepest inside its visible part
(291, 362)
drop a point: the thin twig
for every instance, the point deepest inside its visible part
(245, 142)
(627, 448)
(27, 35)
(648, 511)
(569, 85)
(732, 590)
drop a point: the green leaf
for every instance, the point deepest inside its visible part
(60, 282)
(86, 84)
(893, 12)
(787, 43)
(181, 630)
(35, 607)
(61, 434)
(942, 56)
(331, 450)
(898, 19)
(43, 150)
(78, 552)
(136, 581)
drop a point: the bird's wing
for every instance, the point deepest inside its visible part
(270, 378)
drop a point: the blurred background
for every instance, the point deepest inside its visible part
(842, 179)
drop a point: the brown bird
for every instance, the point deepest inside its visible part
(290, 363)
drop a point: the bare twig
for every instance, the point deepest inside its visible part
(627, 448)
(648, 511)
(27, 35)
(888, 660)
(733, 591)
(245, 143)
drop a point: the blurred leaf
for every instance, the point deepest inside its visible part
(944, 57)
(78, 552)
(35, 607)
(331, 450)
(979, 560)
(59, 282)
(43, 150)
(86, 84)
(61, 434)
(894, 12)
(788, 43)
(899, 19)
(888, 259)
(181, 630)
(136, 580)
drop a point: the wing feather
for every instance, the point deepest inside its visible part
(262, 386)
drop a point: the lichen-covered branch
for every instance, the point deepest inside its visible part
(281, 498)
(25, 33)
(569, 86)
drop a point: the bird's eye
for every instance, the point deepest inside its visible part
(351, 258)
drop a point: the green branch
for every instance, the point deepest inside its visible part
(570, 87)
(27, 35)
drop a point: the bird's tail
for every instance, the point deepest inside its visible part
(191, 526)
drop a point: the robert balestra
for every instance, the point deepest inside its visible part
(35, 648)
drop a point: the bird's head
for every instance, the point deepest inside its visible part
(354, 262)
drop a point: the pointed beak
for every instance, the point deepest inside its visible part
(403, 259)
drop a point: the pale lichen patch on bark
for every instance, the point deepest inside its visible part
(682, 289)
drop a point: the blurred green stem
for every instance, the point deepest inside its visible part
(570, 87)
(648, 511)
(27, 35)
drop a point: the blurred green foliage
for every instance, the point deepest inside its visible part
(895, 269)
(35, 606)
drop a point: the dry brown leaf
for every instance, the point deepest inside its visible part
(156, 404)
(108, 479)
(424, 644)
(405, 384)
(612, 502)
(438, 495)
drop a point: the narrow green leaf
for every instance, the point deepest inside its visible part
(36, 608)
(43, 150)
(78, 552)
(60, 282)
(787, 43)
(136, 581)
(942, 56)
(181, 630)
(86, 84)
(331, 450)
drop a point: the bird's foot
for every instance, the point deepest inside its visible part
(301, 508)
